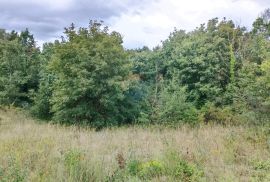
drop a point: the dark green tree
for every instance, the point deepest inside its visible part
(206, 60)
(19, 66)
(42, 106)
(91, 72)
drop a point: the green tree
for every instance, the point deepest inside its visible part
(206, 60)
(91, 77)
(42, 106)
(19, 65)
(262, 24)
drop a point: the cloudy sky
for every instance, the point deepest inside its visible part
(141, 22)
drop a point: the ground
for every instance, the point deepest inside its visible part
(32, 150)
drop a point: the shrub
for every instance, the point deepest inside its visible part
(171, 167)
(151, 169)
(143, 119)
(261, 170)
(145, 170)
(184, 170)
(12, 172)
(134, 167)
(181, 170)
(262, 165)
(174, 108)
(225, 116)
(76, 170)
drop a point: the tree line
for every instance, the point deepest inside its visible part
(219, 72)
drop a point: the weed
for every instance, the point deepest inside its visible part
(75, 168)
(12, 172)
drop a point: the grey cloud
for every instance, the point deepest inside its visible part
(46, 21)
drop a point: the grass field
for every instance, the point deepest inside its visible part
(35, 151)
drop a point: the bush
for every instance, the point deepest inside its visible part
(215, 115)
(134, 167)
(171, 167)
(174, 108)
(261, 170)
(75, 167)
(181, 170)
(145, 170)
(151, 169)
(143, 119)
(184, 170)
(12, 172)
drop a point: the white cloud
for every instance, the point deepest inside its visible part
(153, 22)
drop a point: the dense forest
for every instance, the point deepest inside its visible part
(217, 73)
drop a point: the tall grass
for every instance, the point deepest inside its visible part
(34, 151)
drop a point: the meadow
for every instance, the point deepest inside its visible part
(31, 150)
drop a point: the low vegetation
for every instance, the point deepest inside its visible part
(37, 151)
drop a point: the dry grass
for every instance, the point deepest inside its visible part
(32, 151)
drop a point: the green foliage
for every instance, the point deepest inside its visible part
(13, 172)
(77, 168)
(232, 65)
(173, 108)
(199, 60)
(262, 169)
(265, 82)
(172, 167)
(19, 66)
(42, 106)
(144, 119)
(73, 163)
(262, 24)
(134, 167)
(252, 92)
(262, 165)
(145, 170)
(91, 83)
(180, 169)
(184, 170)
(210, 114)
(151, 168)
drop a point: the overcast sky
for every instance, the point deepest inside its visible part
(141, 22)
